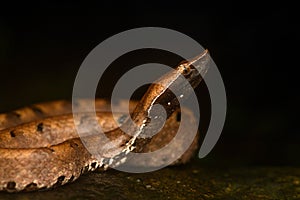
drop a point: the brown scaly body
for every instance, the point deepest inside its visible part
(40, 148)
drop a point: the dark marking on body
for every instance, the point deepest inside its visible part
(93, 165)
(59, 181)
(73, 145)
(52, 150)
(37, 110)
(85, 169)
(124, 143)
(71, 179)
(148, 121)
(13, 116)
(12, 133)
(16, 114)
(31, 187)
(84, 118)
(40, 127)
(11, 185)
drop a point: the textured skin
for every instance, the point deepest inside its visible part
(39, 147)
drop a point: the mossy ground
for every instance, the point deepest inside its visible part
(191, 181)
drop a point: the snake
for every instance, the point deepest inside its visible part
(41, 149)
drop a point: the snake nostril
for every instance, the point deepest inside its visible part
(11, 185)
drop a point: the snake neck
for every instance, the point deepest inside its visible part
(138, 128)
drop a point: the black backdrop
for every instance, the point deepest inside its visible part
(255, 47)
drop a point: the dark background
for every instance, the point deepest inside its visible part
(255, 48)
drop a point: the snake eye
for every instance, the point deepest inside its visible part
(185, 69)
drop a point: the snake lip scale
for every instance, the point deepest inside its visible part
(40, 147)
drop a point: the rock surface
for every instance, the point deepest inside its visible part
(190, 181)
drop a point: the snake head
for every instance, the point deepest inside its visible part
(194, 69)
